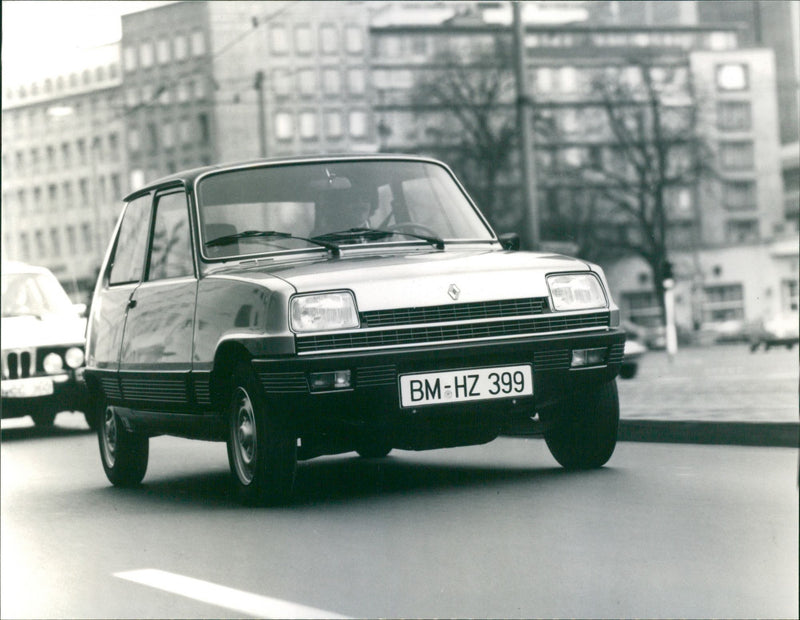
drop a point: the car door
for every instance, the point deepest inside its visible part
(122, 275)
(156, 353)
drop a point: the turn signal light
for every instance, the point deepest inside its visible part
(329, 381)
(582, 358)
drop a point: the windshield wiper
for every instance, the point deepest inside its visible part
(378, 233)
(249, 234)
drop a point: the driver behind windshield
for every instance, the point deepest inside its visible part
(340, 210)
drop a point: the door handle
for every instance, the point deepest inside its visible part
(131, 303)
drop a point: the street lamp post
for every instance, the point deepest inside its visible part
(525, 131)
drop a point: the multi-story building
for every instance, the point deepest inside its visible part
(219, 81)
(63, 167)
(724, 234)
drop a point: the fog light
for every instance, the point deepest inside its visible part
(53, 363)
(582, 358)
(327, 381)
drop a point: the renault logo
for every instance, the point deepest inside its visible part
(454, 292)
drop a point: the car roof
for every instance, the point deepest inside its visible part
(186, 178)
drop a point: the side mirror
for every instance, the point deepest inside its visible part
(510, 241)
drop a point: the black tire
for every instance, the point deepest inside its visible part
(628, 371)
(582, 431)
(44, 419)
(124, 454)
(92, 419)
(262, 450)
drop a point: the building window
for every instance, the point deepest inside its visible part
(741, 231)
(203, 128)
(129, 59)
(302, 39)
(25, 246)
(86, 234)
(41, 248)
(355, 81)
(146, 54)
(544, 80)
(22, 201)
(732, 77)
(198, 43)
(72, 241)
(55, 242)
(278, 39)
(66, 155)
(284, 128)
(37, 200)
(357, 121)
(329, 39)
(331, 81)
(308, 82)
(723, 302)
(333, 124)
(736, 155)
(134, 140)
(568, 79)
(52, 196)
(162, 51)
(66, 193)
(186, 132)
(642, 308)
(180, 47)
(739, 195)
(308, 125)
(734, 116)
(354, 39)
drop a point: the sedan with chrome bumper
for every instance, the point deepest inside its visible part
(309, 306)
(42, 347)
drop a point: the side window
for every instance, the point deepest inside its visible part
(171, 252)
(131, 243)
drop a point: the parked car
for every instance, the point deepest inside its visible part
(42, 347)
(309, 306)
(779, 331)
(634, 350)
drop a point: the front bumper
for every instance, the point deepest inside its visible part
(374, 396)
(62, 392)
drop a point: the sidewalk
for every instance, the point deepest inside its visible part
(721, 394)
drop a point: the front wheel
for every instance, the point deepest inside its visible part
(583, 429)
(262, 452)
(124, 453)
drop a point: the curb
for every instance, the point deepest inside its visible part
(770, 434)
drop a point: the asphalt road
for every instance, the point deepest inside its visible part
(489, 531)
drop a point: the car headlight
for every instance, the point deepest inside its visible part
(576, 291)
(53, 363)
(74, 357)
(323, 312)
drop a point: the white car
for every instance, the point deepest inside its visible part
(43, 336)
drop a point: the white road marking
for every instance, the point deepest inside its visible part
(222, 596)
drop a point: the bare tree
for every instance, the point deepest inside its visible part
(655, 148)
(471, 96)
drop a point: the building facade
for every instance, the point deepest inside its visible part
(64, 168)
(192, 83)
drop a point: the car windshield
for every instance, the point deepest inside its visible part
(33, 294)
(331, 205)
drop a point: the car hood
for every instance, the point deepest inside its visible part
(427, 278)
(50, 330)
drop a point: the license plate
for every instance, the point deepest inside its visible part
(27, 388)
(453, 386)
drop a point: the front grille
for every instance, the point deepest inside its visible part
(455, 312)
(19, 364)
(548, 323)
